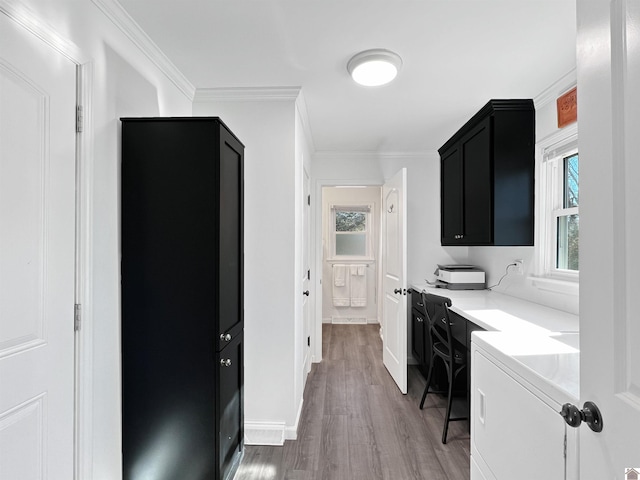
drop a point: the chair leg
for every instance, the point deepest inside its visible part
(449, 401)
(426, 387)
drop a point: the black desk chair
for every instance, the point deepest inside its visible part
(443, 347)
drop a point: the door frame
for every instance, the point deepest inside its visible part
(317, 184)
(83, 338)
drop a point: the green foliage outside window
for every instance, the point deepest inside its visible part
(351, 221)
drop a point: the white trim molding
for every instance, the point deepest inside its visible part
(21, 14)
(264, 433)
(121, 19)
(552, 92)
(249, 94)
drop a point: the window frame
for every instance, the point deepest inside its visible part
(552, 203)
(365, 208)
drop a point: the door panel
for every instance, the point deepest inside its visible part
(37, 255)
(609, 121)
(231, 434)
(394, 264)
(231, 237)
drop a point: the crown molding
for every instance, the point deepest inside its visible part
(235, 94)
(21, 14)
(551, 93)
(121, 19)
(373, 155)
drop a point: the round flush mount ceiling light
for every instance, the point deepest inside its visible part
(375, 67)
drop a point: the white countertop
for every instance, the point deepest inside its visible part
(539, 343)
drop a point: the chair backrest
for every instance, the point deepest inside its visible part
(437, 309)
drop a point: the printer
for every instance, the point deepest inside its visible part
(460, 277)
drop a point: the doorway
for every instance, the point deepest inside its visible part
(350, 254)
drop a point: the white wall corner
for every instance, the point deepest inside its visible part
(291, 432)
(264, 433)
(119, 16)
(301, 106)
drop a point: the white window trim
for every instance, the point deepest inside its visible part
(368, 257)
(546, 276)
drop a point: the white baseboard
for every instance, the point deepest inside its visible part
(271, 433)
(264, 433)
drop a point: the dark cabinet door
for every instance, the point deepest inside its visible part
(417, 336)
(451, 196)
(231, 431)
(230, 289)
(477, 185)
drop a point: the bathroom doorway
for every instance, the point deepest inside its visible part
(350, 254)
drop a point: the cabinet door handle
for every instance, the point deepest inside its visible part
(420, 304)
(225, 337)
(445, 322)
(306, 292)
(397, 290)
(419, 319)
(225, 362)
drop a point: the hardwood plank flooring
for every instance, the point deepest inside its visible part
(356, 425)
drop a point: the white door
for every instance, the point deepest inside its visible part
(306, 269)
(37, 245)
(394, 281)
(608, 56)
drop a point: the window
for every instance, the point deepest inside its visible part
(567, 217)
(351, 227)
(560, 210)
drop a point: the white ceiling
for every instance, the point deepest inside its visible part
(456, 56)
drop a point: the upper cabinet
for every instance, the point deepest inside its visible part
(487, 177)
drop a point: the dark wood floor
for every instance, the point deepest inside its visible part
(356, 425)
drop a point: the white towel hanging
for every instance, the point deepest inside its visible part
(358, 286)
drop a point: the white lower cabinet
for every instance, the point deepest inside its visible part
(516, 431)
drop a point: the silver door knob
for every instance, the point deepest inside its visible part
(225, 362)
(225, 337)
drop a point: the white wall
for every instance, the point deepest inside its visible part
(495, 259)
(272, 334)
(350, 196)
(125, 82)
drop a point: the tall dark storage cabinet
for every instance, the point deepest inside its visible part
(182, 299)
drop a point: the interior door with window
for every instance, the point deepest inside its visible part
(394, 265)
(37, 257)
(609, 121)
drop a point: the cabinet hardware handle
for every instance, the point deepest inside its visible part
(590, 414)
(419, 319)
(306, 292)
(397, 290)
(225, 362)
(445, 322)
(420, 304)
(225, 337)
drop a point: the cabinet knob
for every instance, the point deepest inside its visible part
(420, 320)
(225, 362)
(225, 337)
(306, 292)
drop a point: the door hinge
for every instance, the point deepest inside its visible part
(309, 274)
(79, 118)
(77, 308)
